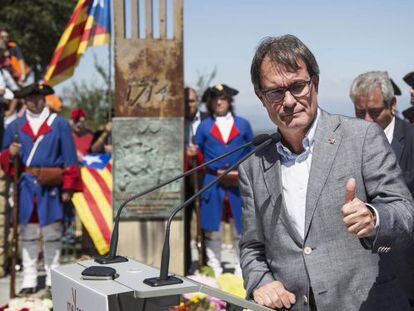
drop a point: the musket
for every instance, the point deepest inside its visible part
(15, 232)
(199, 233)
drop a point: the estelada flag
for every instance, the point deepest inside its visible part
(94, 204)
(90, 24)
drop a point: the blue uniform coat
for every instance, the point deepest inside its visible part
(56, 149)
(210, 142)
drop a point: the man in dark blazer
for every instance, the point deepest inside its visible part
(374, 99)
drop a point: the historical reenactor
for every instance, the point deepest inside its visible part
(49, 175)
(82, 135)
(409, 79)
(14, 60)
(409, 113)
(218, 134)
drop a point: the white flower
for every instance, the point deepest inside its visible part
(33, 304)
(48, 303)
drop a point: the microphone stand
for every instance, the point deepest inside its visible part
(164, 278)
(111, 256)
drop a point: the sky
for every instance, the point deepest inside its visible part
(346, 37)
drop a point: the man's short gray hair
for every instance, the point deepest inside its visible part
(368, 82)
(285, 50)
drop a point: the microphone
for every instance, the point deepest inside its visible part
(164, 278)
(111, 256)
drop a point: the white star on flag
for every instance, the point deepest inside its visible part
(92, 159)
(101, 3)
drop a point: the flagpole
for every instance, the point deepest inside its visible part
(110, 63)
(109, 96)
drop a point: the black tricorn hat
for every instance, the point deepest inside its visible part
(409, 79)
(397, 91)
(217, 91)
(34, 89)
(409, 114)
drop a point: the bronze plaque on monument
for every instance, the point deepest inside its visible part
(146, 154)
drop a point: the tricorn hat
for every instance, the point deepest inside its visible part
(409, 114)
(397, 91)
(34, 89)
(409, 79)
(217, 91)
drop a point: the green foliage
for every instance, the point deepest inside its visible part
(207, 271)
(92, 96)
(36, 26)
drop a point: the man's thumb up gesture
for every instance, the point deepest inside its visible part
(358, 218)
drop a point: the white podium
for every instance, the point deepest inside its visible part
(127, 292)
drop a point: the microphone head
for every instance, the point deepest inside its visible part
(259, 139)
(276, 137)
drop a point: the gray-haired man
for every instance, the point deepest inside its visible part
(374, 100)
(373, 96)
(326, 207)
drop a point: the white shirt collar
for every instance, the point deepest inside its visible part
(31, 115)
(37, 119)
(226, 117)
(197, 116)
(389, 130)
(288, 156)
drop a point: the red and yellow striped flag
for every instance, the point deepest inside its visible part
(89, 25)
(93, 205)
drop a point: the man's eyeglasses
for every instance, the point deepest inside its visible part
(297, 89)
(373, 113)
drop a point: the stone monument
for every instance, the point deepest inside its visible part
(148, 125)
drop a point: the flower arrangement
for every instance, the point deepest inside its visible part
(28, 304)
(227, 282)
(200, 302)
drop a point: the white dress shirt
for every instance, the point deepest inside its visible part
(190, 128)
(389, 130)
(195, 123)
(295, 171)
(224, 124)
(294, 185)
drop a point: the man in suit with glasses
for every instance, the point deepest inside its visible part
(325, 208)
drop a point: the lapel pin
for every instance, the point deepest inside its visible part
(331, 141)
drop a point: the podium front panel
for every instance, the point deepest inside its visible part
(70, 292)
